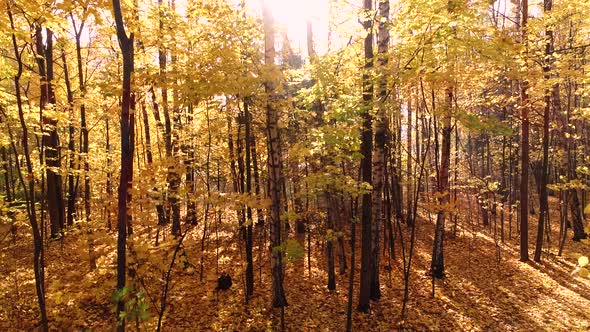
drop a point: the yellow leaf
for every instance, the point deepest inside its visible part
(583, 261)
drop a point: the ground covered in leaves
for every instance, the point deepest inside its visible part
(486, 287)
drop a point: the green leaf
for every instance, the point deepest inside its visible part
(119, 294)
(583, 273)
(294, 249)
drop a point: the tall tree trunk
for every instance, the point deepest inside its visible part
(366, 165)
(127, 146)
(573, 199)
(378, 161)
(274, 163)
(71, 203)
(249, 221)
(38, 259)
(50, 139)
(524, 157)
(85, 143)
(543, 199)
(171, 176)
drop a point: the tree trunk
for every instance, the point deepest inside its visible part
(274, 163)
(543, 199)
(84, 148)
(50, 139)
(330, 237)
(409, 174)
(524, 157)
(191, 206)
(366, 166)
(378, 161)
(127, 147)
(71, 203)
(38, 254)
(438, 266)
(249, 221)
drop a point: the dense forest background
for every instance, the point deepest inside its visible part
(279, 165)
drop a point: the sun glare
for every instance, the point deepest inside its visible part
(292, 15)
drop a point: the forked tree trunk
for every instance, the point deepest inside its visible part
(437, 265)
(55, 204)
(29, 185)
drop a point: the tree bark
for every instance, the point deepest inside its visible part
(38, 254)
(437, 265)
(381, 124)
(249, 221)
(127, 147)
(54, 194)
(524, 157)
(274, 162)
(366, 165)
(543, 199)
(71, 203)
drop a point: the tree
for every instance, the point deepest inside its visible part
(29, 185)
(381, 124)
(127, 147)
(47, 102)
(543, 199)
(274, 161)
(366, 163)
(524, 145)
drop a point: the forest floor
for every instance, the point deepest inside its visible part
(486, 287)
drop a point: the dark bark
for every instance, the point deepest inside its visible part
(109, 181)
(330, 239)
(274, 164)
(437, 265)
(409, 174)
(249, 221)
(29, 185)
(378, 159)
(72, 192)
(524, 156)
(366, 166)
(353, 208)
(256, 173)
(127, 147)
(84, 127)
(191, 206)
(50, 141)
(544, 178)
